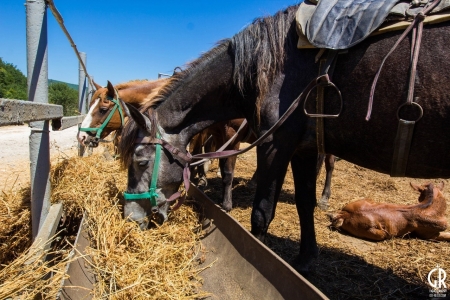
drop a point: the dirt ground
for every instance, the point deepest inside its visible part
(347, 267)
(15, 155)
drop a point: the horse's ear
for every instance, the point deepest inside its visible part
(97, 86)
(141, 120)
(417, 187)
(440, 186)
(111, 90)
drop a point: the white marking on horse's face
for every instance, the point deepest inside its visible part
(87, 121)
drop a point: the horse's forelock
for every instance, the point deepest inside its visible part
(126, 144)
(129, 136)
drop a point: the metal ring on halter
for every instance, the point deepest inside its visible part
(323, 84)
(412, 103)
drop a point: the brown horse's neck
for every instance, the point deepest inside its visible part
(142, 92)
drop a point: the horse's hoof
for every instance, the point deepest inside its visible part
(227, 207)
(323, 205)
(302, 266)
(202, 183)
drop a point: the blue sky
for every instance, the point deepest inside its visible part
(127, 40)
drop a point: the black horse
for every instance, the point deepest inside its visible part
(256, 75)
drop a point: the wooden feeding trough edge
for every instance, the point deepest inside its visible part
(243, 267)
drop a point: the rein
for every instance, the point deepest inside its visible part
(116, 106)
(188, 158)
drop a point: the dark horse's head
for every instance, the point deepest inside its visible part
(153, 173)
(227, 82)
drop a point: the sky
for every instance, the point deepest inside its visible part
(129, 40)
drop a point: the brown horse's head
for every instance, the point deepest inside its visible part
(104, 116)
(430, 193)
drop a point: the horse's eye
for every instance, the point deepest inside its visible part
(103, 110)
(143, 163)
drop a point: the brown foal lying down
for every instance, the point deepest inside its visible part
(379, 221)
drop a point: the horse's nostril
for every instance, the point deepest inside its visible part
(155, 209)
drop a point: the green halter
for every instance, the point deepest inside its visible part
(117, 106)
(151, 194)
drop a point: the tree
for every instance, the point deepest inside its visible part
(13, 84)
(61, 94)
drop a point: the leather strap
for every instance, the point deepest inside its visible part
(326, 66)
(415, 47)
(402, 145)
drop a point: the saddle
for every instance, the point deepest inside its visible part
(337, 25)
(341, 24)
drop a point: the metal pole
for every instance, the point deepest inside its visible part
(82, 91)
(82, 85)
(37, 79)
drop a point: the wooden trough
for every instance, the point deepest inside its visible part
(243, 268)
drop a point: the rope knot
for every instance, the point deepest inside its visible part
(153, 195)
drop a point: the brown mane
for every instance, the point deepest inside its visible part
(133, 83)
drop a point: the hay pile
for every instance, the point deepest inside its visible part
(28, 277)
(22, 272)
(129, 263)
(347, 267)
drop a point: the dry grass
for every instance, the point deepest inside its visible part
(27, 277)
(347, 268)
(161, 264)
(15, 225)
(129, 263)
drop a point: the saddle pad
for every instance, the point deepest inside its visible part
(341, 24)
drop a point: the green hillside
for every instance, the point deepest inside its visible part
(13, 85)
(71, 85)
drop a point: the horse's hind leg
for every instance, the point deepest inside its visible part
(227, 166)
(304, 172)
(443, 236)
(326, 193)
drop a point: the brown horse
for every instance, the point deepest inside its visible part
(380, 221)
(214, 137)
(134, 92)
(258, 75)
(218, 134)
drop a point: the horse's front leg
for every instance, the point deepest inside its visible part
(304, 173)
(271, 169)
